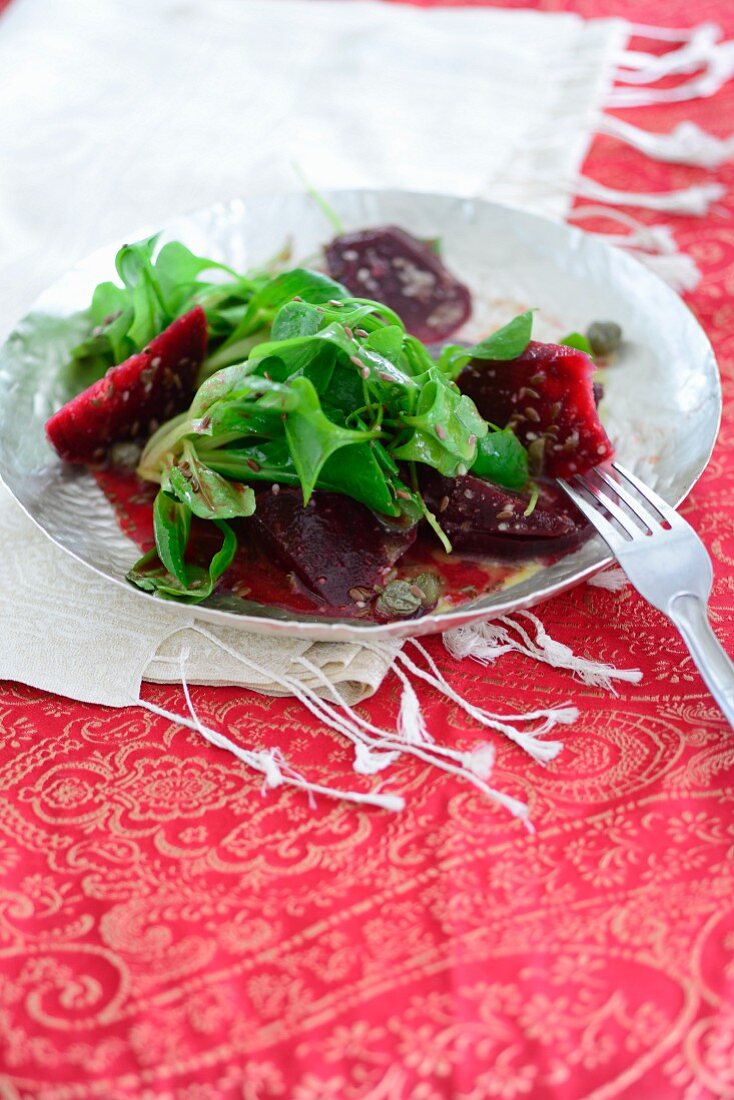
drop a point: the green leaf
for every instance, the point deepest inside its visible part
(355, 470)
(110, 316)
(176, 265)
(235, 383)
(507, 342)
(132, 259)
(312, 437)
(295, 319)
(576, 340)
(311, 286)
(171, 527)
(207, 493)
(501, 458)
(263, 461)
(151, 575)
(387, 341)
(446, 428)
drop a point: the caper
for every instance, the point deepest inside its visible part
(398, 600)
(430, 586)
(604, 337)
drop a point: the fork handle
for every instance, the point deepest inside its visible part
(689, 614)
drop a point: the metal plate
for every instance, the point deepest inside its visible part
(662, 404)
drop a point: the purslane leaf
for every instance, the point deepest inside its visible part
(501, 458)
(312, 437)
(151, 575)
(446, 428)
(507, 342)
(171, 527)
(206, 493)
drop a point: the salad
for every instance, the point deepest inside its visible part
(317, 432)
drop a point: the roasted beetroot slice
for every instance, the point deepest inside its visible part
(482, 518)
(544, 394)
(393, 267)
(335, 545)
(134, 396)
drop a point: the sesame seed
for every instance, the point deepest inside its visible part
(296, 298)
(472, 440)
(361, 332)
(254, 466)
(336, 305)
(417, 592)
(444, 504)
(356, 361)
(349, 332)
(275, 488)
(384, 376)
(403, 494)
(440, 431)
(365, 372)
(537, 378)
(532, 414)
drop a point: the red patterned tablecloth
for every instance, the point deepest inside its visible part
(168, 932)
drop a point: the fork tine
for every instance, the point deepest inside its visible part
(636, 506)
(625, 521)
(662, 507)
(609, 533)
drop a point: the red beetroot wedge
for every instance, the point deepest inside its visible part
(480, 517)
(546, 393)
(151, 386)
(393, 267)
(335, 545)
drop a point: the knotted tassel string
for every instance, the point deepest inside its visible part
(694, 200)
(474, 766)
(348, 722)
(701, 49)
(376, 749)
(271, 763)
(612, 579)
(687, 143)
(484, 642)
(653, 245)
(696, 51)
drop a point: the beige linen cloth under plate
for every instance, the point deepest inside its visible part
(122, 115)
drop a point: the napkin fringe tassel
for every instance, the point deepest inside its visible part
(701, 54)
(653, 245)
(485, 642)
(376, 748)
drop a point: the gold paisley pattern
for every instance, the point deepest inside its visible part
(168, 931)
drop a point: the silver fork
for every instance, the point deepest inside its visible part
(664, 559)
